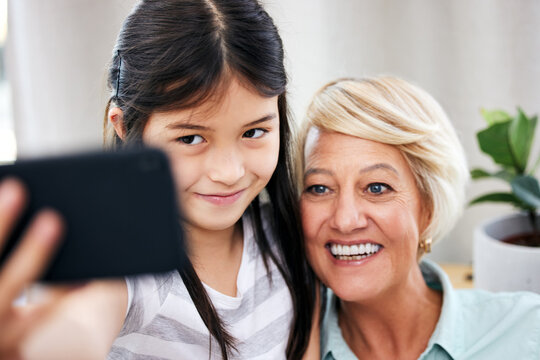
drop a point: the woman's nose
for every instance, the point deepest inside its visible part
(226, 166)
(349, 215)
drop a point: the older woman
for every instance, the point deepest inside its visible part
(383, 178)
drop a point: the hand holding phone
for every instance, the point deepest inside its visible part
(26, 263)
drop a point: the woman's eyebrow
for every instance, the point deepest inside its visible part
(379, 166)
(312, 171)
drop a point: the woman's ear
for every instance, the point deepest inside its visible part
(116, 118)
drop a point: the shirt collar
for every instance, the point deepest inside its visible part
(333, 346)
(446, 334)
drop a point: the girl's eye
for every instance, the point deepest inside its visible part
(191, 139)
(378, 188)
(317, 189)
(254, 133)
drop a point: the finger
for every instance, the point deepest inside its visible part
(12, 199)
(22, 319)
(30, 258)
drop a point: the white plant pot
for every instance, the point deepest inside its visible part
(500, 266)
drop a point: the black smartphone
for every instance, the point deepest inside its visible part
(120, 210)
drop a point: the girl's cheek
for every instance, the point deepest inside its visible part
(262, 162)
(185, 170)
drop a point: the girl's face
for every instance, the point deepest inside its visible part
(222, 153)
(361, 214)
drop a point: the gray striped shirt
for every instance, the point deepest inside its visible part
(163, 323)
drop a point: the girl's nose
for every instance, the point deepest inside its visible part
(349, 214)
(226, 167)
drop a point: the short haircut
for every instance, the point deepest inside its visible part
(392, 111)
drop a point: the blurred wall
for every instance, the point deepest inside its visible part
(57, 55)
(468, 54)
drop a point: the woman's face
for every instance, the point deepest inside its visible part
(361, 214)
(222, 153)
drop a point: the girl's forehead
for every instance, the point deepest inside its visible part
(237, 106)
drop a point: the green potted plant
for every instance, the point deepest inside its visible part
(507, 249)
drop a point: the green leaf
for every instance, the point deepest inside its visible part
(499, 197)
(494, 142)
(521, 133)
(535, 166)
(479, 174)
(526, 188)
(505, 175)
(495, 116)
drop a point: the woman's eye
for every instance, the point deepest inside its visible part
(378, 188)
(317, 189)
(191, 139)
(254, 133)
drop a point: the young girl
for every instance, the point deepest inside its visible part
(203, 80)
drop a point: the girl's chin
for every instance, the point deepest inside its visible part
(209, 225)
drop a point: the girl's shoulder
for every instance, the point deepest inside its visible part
(147, 294)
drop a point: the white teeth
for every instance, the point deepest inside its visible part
(362, 249)
(354, 251)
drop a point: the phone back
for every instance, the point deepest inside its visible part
(119, 207)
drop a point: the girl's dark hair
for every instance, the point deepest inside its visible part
(176, 54)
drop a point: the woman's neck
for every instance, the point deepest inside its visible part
(395, 325)
(216, 255)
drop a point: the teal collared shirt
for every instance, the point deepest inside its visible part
(474, 324)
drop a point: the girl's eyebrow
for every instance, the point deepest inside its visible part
(191, 126)
(187, 126)
(261, 120)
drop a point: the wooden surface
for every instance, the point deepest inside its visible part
(460, 275)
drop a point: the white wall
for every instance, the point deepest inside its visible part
(467, 54)
(57, 58)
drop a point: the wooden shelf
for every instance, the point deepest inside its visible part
(460, 275)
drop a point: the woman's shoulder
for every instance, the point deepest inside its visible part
(522, 301)
(478, 324)
(499, 323)
(512, 309)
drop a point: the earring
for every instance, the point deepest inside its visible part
(426, 245)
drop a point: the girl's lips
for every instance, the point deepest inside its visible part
(221, 199)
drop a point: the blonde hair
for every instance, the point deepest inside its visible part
(394, 112)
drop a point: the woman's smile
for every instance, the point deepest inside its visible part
(352, 253)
